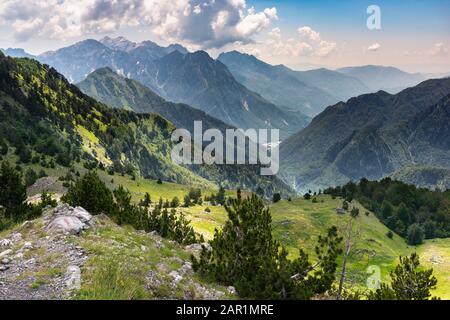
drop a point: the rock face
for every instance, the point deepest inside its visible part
(67, 220)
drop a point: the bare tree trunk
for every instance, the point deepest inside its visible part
(348, 247)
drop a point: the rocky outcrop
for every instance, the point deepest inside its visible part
(67, 220)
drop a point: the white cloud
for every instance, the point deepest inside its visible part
(202, 23)
(374, 47)
(438, 49)
(308, 43)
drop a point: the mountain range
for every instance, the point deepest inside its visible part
(46, 119)
(356, 132)
(309, 92)
(389, 79)
(371, 136)
(178, 76)
(120, 92)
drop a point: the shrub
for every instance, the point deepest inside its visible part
(408, 282)
(276, 197)
(415, 234)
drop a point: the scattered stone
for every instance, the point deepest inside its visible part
(5, 243)
(68, 220)
(16, 237)
(4, 268)
(196, 248)
(6, 261)
(5, 253)
(186, 268)
(144, 248)
(27, 246)
(25, 225)
(19, 255)
(232, 290)
(176, 277)
(73, 275)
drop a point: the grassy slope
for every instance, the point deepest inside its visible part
(297, 224)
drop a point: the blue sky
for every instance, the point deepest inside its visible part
(415, 35)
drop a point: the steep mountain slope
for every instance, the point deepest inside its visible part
(424, 176)
(389, 79)
(371, 136)
(177, 75)
(114, 90)
(200, 81)
(77, 61)
(45, 117)
(309, 92)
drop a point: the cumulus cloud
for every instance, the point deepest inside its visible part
(438, 49)
(374, 47)
(308, 43)
(205, 23)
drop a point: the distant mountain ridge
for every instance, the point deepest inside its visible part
(42, 114)
(117, 91)
(371, 136)
(192, 78)
(389, 79)
(307, 91)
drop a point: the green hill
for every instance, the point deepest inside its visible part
(45, 120)
(298, 223)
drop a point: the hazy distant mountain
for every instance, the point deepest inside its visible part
(179, 76)
(309, 91)
(77, 61)
(17, 53)
(389, 79)
(371, 136)
(119, 43)
(207, 84)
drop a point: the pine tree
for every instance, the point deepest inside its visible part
(12, 191)
(409, 282)
(245, 255)
(90, 193)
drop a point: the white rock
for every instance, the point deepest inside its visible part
(4, 268)
(16, 236)
(6, 261)
(231, 290)
(176, 277)
(73, 275)
(82, 214)
(25, 224)
(66, 225)
(19, 255)
(5, 253)
(27, 245)
(5, 243)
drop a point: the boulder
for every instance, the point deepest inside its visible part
(65, 225)
(67, 220)
(5, 253)
(82, 214)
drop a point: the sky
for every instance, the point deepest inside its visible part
(302, 34)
